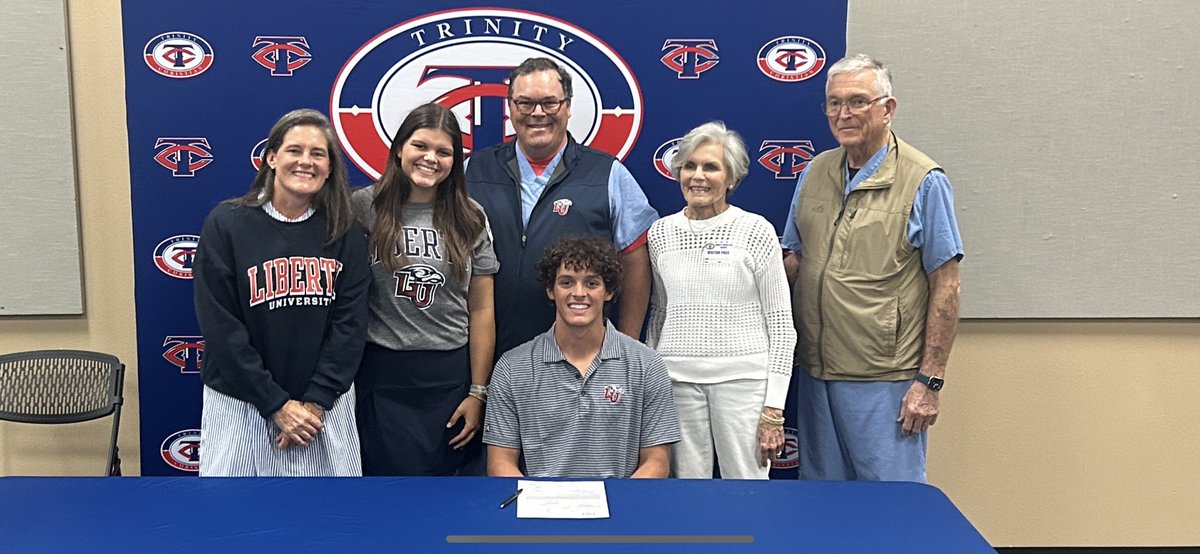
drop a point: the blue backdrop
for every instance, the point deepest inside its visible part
(205, 82)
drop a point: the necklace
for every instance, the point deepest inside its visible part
(704, 223)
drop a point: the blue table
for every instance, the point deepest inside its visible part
(39, 514)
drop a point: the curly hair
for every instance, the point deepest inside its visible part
(587, 253)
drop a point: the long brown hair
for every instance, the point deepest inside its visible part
(333, 200)
(454, 215)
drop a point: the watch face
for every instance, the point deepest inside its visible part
(935, 383)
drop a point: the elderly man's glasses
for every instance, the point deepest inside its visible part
(858, 104)
(550, 105)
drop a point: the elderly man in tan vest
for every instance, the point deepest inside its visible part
(874, 261)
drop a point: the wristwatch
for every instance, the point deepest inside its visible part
(934, 383)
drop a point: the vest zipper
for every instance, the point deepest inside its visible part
(821, 290)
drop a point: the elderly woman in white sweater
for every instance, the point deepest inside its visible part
(720, 315)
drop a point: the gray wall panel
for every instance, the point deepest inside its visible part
(1070, 133)
(40, 270)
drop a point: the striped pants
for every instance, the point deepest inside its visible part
(235, 441)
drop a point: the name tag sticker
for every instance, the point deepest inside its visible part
(718, 253)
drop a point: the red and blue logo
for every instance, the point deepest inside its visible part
(184, 156)
(178, 55)
(690, 57)
(184, 352)
(785, 158)
(174, 256)
(663, 156)
(461, 59)
(181, 450)
(790, 459)
(258, 153)
(791, 59)
(281, 55)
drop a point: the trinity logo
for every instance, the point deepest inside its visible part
(178, 55)
(184, 156)
(461, 58)
(562, 206)
(281, 55)
(181, 450)
(174, 255)
(664, 155)
(185, 353)
(258, 153)
(785, 158)
(791, 451)
(688, 58)
(791, 59)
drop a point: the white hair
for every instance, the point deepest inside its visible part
(737, 162)
(860, 62)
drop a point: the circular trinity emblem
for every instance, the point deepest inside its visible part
(791, 58)
(178, 55)
(461, 59)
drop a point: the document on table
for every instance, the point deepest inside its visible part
(562, 499)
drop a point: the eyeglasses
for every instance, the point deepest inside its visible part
(857, 104)
(550, 105)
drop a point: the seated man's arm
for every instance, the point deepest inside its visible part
(503, 462)
(654, 462)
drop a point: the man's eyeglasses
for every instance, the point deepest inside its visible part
(858, 104)
(550, 105)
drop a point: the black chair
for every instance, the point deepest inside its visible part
(63, 386)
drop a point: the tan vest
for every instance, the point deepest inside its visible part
(861, 296)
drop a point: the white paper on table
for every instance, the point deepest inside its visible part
(562, 499)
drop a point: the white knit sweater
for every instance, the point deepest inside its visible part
(721, 309)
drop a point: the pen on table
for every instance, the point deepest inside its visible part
(504, 504)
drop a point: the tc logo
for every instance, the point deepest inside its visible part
(791, 58)
(281, 55)
(461, 58)
(174, 255)
(562, 206)
(419, 283)
(178, 55)
(665, 155)
(791, 451)
(184, 156)
(181, 450)
(688, 58)
(258, 153)
(785, 158)
(185, 353)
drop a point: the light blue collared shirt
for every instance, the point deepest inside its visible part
(932, 225)
(631, 212)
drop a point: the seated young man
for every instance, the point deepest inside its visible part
(582, 399)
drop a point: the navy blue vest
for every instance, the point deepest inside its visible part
(493, 179)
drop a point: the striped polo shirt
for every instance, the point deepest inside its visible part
(570, 425)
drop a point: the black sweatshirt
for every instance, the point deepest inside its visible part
(283, 316)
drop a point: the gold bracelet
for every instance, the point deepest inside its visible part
(477, 396)
(770, 420)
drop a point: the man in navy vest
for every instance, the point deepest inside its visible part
(543, 186)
